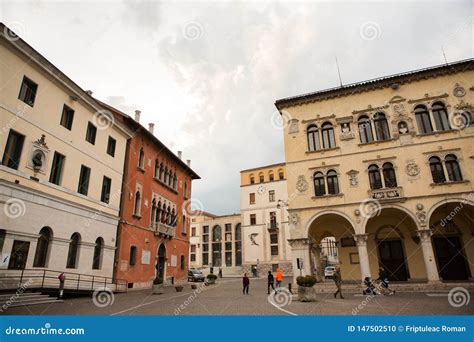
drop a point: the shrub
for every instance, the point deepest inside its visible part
(306, 281)
(211, 277)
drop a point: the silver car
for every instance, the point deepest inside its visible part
(329, 271)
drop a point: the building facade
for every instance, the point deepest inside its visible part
(61, 171)
(263, 203)
(153, 234)
(385, 168)
(216, 242)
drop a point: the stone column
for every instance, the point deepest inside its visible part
(316, 253)
(361, 241)
(300, 249)
(427, 249)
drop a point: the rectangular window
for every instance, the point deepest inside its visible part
(106, 185)
(273, 220)
(228, 227)
(57, 169)
(67, 117)
(133, 255)
(253, 219)
(91, 133)
(252, 180)
(183, 228)
(193, 231)
(111, 146)
(228, 259)
(193, 253)
(274, 250)
(281, 175)
(271, 177)
(252, 198)
(12, 153)
(271, 196)
(205, 259)
(28, 91)
(83, 187)
(183, 262)
(274, 244)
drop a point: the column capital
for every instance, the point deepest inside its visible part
(424, 234)
(299, 243)
(361, 239)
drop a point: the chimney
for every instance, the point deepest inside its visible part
(188, 162)
(180, 154)
(137, 115)
(151, 126)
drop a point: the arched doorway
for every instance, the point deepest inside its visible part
(394, 244)
(452, 230)
(332, 242)
(160, 264)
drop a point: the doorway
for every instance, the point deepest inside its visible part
(160, 265)
(452, 264)
(392, 258)
(19, 255)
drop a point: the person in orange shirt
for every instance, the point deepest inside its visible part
(279, 279)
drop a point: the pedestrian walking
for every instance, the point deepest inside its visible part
(62, 280)
(383, 278)
(338, 281)
(246, 284)
(271, 281)
(220, 272)
(279, 279)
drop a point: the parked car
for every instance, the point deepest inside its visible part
(329, 271)
(195, 275)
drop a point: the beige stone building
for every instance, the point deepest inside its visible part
(61, 170)
(216, 241)
(265, 229)
(385, 167)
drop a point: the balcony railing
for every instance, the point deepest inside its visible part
(273, 226)
(387, 193)
(164, 229)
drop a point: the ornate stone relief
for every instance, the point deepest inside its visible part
(299, 243)
(346, 133)
(421, 215)
(294, 219)
(353, 178)
(412, 169)
(302, 184)
(459, 91)
(252, 239)
(38, 157)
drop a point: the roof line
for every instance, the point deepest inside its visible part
(263, 167)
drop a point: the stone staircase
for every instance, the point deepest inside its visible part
(8, 300)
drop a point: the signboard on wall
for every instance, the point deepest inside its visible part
(146, 257)
(174, 261)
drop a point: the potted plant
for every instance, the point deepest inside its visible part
(179, 288)
(306, 292)
(211, 278)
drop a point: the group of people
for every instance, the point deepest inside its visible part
(371, 289)
(270, 282)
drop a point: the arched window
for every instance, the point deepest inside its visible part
(252, 179)
(238, 245)
(175, 180)
(42, 247)
(374, 177)
(162, 169)
(365, 130)
(173, 218)
(168, 216)
(137, 207)
(452, 168)
(328, 136)
(141, 159)
(157, 168)
(333, 184)
(440, 115)
(389, 176)
(437, 171)
(153, 212)
(185, 193)
(319, 187)
(423, 119)
(381, 127)
(271, 177)
(281, 174)
(217, 246)
(313, 138)
(163, 213)
(97, 261)
(158, 212)
(170, 182)
(73, 253)
(165, 180)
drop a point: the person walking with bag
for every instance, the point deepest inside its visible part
(246, 284)
(279, 279)
(271, 281)
(338, 281)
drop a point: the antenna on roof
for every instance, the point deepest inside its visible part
(338, 71)
(444, 55)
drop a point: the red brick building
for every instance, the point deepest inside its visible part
(153, 233)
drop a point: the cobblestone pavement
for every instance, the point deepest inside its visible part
(226, 298)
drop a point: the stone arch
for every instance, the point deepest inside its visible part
(446, 201)
(326, 212)
(388, 206)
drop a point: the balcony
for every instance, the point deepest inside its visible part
(273, 226)
(387, 194)
(164, 230)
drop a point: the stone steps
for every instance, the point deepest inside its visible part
(25, 299)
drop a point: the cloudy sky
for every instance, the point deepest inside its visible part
(207, 73)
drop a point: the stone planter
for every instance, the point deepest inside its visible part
(210, 281)
(306, 294)
(194, 286)
(179, 288)
(158, 289)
